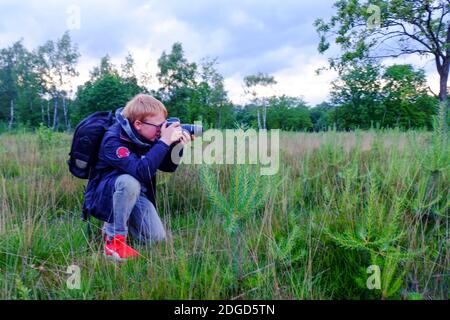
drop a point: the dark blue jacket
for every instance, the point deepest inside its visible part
(124, 151)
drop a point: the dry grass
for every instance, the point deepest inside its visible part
(341, 202)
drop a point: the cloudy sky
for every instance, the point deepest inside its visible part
(246, 36)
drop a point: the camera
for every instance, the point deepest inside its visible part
(192, 129)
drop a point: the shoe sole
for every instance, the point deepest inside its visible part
(113, 255)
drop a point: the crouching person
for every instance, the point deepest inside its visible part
(122, 190)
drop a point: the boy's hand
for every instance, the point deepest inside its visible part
(171, 134)
(186, 138)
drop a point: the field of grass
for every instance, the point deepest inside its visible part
(340, 203)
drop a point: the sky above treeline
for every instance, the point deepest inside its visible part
(246, 36)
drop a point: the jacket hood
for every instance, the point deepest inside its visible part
(132, 134)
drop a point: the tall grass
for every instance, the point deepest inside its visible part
(340, 203)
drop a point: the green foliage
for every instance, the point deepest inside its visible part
(359, 32)
(288, 113)
(244, 197)
(45, 135)
(108, 89)
(365, 96)
(246, 194)
(209, 101)
(340, 203)
(178, 80)
(415, 296)
(252, 84)
(23, 293)
(19, 84)
(320, 116)
(283, 112)
(439, 152)
(30, 79)
(31, 85)
(368, 31)
(357, 93)
(406, 102)
(258, 79)
(175, 71)
(291, 248)
(192, 92)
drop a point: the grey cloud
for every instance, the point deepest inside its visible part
(245, 36)
(109, 26)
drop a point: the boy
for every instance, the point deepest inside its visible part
(122, 190)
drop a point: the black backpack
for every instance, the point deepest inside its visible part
(86, 143)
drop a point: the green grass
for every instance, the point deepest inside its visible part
(340, 203)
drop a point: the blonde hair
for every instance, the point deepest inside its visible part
(141, 106)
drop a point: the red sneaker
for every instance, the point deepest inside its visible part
(118, 249)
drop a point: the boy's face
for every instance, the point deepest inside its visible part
(150, 126)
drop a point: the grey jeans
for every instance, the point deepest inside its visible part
(133, 212)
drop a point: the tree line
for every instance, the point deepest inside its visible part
(36, 90)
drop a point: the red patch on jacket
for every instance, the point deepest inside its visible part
(122, 152)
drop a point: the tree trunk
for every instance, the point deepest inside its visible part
(48, 113)
(42, 111)
(443, 78)
(11, 114)
(66, 119)
(443, 104)
(219, 120)
(55, 114)
(443, 69)
(264, 115)
(259, 121)
(69, 126)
